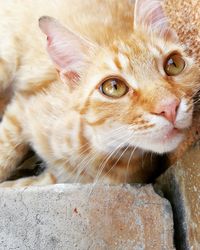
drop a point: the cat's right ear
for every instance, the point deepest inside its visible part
(68, 51)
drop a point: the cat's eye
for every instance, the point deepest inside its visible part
(113, 87)
(174, 65)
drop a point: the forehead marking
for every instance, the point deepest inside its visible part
(124, 61)
(117, 63)
(111, 64)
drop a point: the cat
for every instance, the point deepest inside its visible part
(113, 87)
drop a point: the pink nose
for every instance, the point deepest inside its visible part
(168, 109)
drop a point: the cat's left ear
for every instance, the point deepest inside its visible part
(68, 51)
(149, 15)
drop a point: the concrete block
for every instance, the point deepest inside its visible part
(83, 217)
(181, 185)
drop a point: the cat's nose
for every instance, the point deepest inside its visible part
(168, 109)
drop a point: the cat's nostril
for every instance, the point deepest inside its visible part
(168, 109)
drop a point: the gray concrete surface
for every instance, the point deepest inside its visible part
(72, 217)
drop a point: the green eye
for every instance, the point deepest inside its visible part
(114, 88)
(174, 65)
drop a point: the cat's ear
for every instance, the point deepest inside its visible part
(149, 15)
(67, 50)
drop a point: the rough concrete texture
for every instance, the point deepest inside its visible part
(181, 185)
(73, 217)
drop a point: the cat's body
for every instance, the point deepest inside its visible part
(82, 134)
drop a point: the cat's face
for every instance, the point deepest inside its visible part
(134, 91)
(139, 93)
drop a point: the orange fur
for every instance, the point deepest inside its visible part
(59, 111)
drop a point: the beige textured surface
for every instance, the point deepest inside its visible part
(185, 19)
(70, 217)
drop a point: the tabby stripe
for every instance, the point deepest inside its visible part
(37, 87)
(117, 63)
(98, 122)
(13, 121)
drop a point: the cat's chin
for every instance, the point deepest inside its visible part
(168, 143)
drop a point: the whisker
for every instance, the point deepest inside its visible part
(128, 164)
(85, 162)
(124, 151)
(102, 165)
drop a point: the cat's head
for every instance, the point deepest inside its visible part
(136, 90)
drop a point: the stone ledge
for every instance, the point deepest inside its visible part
(181, 185)
(72, 217)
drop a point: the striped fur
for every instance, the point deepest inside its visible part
(82, 135)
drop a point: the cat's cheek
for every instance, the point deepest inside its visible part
(110, 136)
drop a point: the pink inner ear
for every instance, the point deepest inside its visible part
(149, 14)
(65, 56)
(66, 49)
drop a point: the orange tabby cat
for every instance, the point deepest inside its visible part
(119, 87)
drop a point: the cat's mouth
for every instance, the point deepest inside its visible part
(172, 133)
